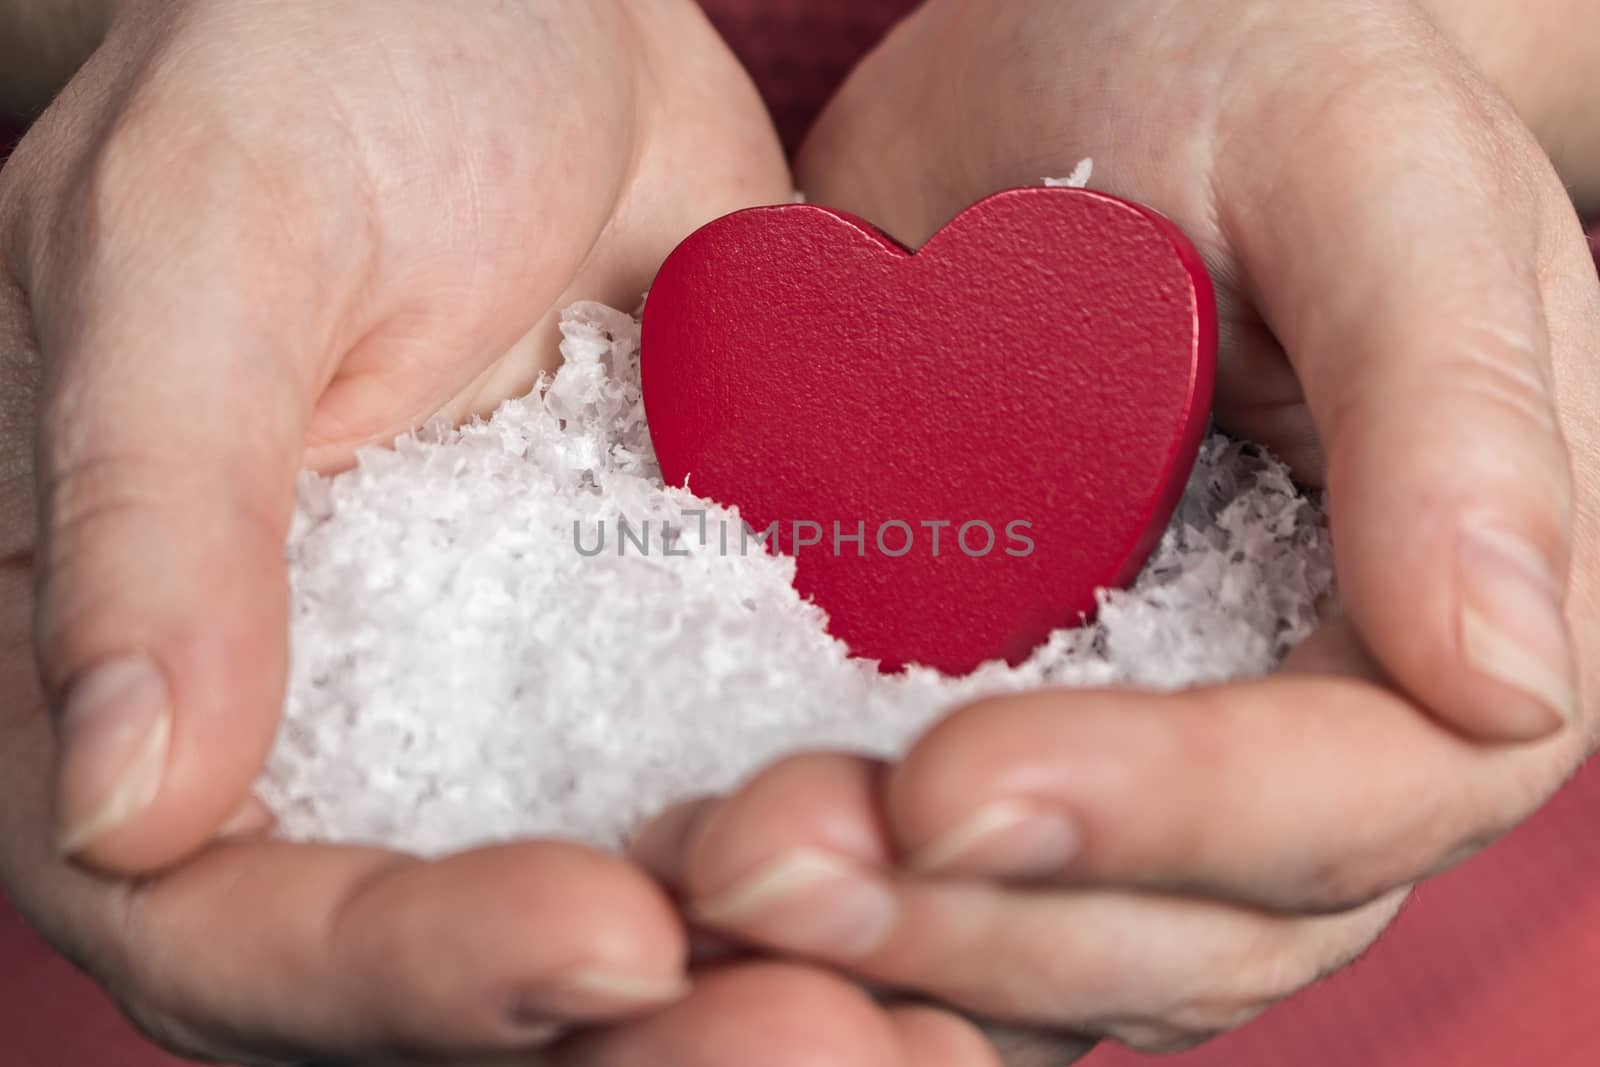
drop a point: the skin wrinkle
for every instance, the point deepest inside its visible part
(363, 173)
(1533, 777)
(1262, 190)
(1351, 403)
(1506, 385)
(202, 894)
(1261, 198)
(1356, 399)
(365, 373)
(108, 176)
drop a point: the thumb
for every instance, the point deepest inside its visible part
(1409, 295)
(169, 441)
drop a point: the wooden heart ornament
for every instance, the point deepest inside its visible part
(958, 446)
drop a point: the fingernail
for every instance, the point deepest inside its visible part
(115, 728)
(596, 993)
(1512, 627)
(1008, 838)
(808, 901)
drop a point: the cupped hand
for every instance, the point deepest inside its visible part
(1410, 316)
(252, 237)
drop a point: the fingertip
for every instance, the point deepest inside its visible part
(951, 804)
(1452, 537)
(1511, 630)
(662, 843)
(130, 800)
(154, 764)
(1466, 614)
(168, 670)
(796, 860)
(115, 733)
(813, 803)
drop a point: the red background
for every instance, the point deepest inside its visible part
(1496, 964)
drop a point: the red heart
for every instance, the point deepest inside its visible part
(1047, 359)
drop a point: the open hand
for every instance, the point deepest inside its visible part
(253, 237)
(1411, 318)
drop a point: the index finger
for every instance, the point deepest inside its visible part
(1305, 792)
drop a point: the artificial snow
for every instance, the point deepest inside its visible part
(466, 668)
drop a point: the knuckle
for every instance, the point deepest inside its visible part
(1490, 369)
(1498, 370)
(152, 170)
(192, 145)
(83, 491)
